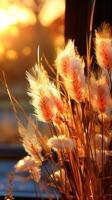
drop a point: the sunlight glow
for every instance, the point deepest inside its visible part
(14, 14)
(11, 54)
(2, 49)
(47, 14)
(26, 51)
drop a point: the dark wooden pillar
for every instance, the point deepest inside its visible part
(77, 19)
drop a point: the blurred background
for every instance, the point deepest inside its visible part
(25, 25)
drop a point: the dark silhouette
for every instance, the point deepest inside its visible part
(77, 19)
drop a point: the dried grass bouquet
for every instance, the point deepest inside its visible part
(77, 110)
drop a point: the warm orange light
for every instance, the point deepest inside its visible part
(2, 49)
(26, 51)
(13, 14)
(50, 11)
(14, 31)
(11, 54)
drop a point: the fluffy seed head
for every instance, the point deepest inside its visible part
(103, 47)
(61, 142)
(65, 59)
(100, 98)
(70, 66)
(45, 97)
(75, 85)
(25, 164)
(30, 141)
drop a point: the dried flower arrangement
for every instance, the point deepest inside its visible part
(77, 108)
(78, 112)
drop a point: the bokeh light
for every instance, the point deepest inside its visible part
(11, 14)
(26, 25)
(11, 54)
